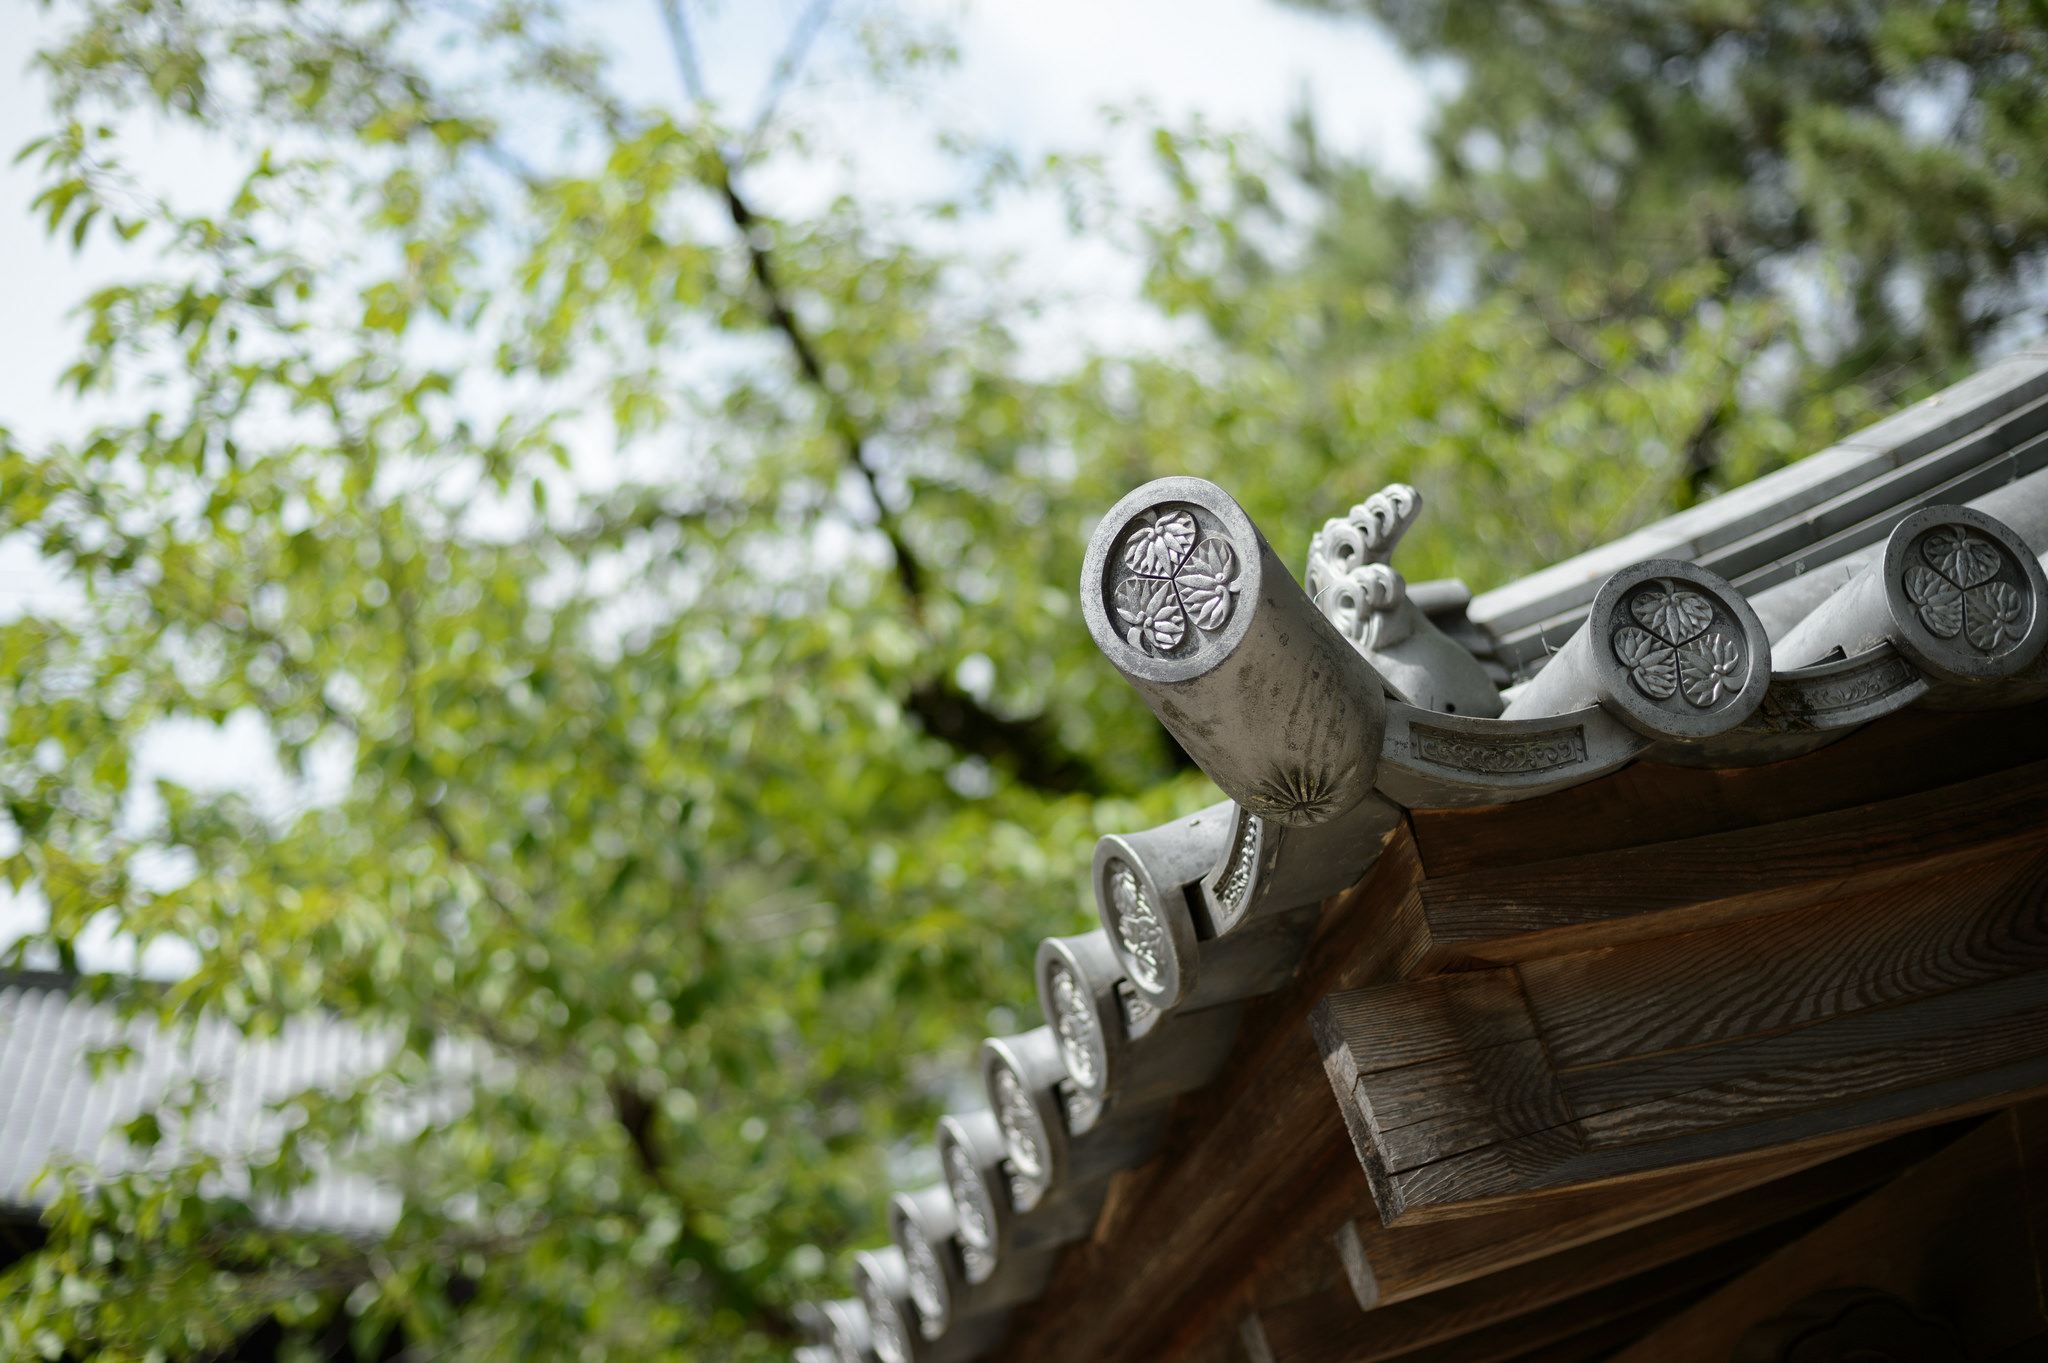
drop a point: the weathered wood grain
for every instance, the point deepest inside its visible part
(1956, 1236)
(1791, 970)
(1439, 1108)
(1844, 1059)
(1458, 1134)
(1645, 803)
(1330, 1329)
(1394, 1264)
(1628, 1305)
(1423, 1020)
(1578, 903)
(1531, 1167)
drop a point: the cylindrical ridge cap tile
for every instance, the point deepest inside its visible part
(1957, 592)
(996, 1239)
(1271, 868)
(1184, 596)
(971, 1153)
(1669, 648)
(882, 1278)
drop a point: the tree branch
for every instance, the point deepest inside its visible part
(1027, 748)
(909, 571)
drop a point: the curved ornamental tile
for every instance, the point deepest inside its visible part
(1025, 1077)
(882, 1278)
(1808, 708)
(925, 1226)
(847, 1335)
(997, 1239)
(1179, 954)
(1141, 895)
(1434, 761)
(1274, 869)
(1351, 578)
(1121, 1053)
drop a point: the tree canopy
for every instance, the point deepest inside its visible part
(685, 584)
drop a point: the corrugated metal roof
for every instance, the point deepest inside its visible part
(54, 1109)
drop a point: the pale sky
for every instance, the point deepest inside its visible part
(1033, 74)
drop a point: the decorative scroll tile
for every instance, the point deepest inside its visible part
(1500, 754)
(1848, 692)
(1175, 580)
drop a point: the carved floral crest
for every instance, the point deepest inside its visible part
(1138, 926)
(1957, 595)
(1018, 1118)
(1176, 577)
(1673, 651)
(927, 1282)
(1075, 1023)
(977, 1220)
(884, 1320)
(970, 1199)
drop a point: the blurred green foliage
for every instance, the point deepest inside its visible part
(720, 793)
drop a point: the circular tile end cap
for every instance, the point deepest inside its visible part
(1172, 578)
(1077, 979)
(1968, 598)
(882, 1279)
(923, 1224)
(1019, 1073)
(1148, 927)
(1675, 651)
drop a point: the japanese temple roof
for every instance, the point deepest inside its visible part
(1627, 920)
(55, 1109)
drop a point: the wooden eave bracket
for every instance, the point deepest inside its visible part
(1689, 1003)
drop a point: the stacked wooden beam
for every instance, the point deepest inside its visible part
(1915, 987)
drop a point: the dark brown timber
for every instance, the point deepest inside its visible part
(1331, 1326)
